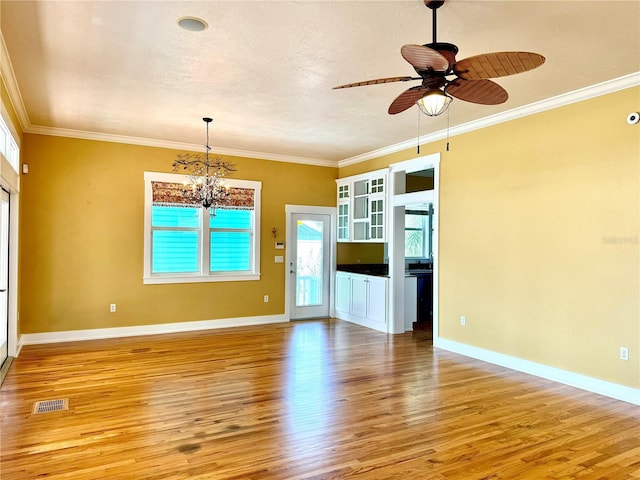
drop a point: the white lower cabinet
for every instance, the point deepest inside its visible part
(362, 299)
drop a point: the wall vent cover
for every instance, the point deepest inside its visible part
(46, 406)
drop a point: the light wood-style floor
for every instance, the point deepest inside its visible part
(306, 400)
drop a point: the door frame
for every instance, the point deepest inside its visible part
(398, 199)
(290, 210)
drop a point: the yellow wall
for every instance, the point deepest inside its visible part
(82, 237)
(539, 237)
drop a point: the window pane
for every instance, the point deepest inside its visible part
(230, 251)
(309, 269)
(188, 217)
(413, 243)
(413, 221)
(231, 219)
(174, 251)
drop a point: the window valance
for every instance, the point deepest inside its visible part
(178, 194)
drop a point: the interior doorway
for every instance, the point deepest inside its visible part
(414, 188)
(310, 262)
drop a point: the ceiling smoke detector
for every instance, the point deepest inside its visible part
(193, 24)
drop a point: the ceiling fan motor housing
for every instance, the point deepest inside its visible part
(447, 50)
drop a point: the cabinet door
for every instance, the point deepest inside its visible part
(343, 191)
(376, 219)
(343, 222)
(343, 292)
(359, 295)
(377, 299)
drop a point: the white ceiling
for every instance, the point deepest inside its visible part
(264, 70)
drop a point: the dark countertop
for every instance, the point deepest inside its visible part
(382, 269)
(418, 272)
(374, 269)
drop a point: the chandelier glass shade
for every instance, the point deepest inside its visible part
(434, 103)
(205, 176)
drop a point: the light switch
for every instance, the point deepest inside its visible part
(279, 259)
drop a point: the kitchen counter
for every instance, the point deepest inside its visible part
(415, 272)
(373, 269)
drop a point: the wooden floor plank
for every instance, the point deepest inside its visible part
(301, 401)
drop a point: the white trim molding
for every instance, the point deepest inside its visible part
(583, 382)
(610, 86)
(153, 142)
(134, 331)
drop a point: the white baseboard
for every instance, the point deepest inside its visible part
(608, 389)
(117, 332)
(19, 346)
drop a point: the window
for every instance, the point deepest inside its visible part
(187, 243)
(417, 233)
(8, 146)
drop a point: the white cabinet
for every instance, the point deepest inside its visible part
(359, 295)
(343, 292)
(362, 299)
(344, 209)
(362, 200)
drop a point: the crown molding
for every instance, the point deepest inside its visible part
(15, 98)
(152, 142)
(610, 86)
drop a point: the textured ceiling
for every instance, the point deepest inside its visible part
(264, 70)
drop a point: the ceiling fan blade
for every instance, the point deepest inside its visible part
(377, 81)
(424, 58)
(497, 64)
(481, 91)
(407, 99)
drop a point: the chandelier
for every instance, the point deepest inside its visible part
(206, 175)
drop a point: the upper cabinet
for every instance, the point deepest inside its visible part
(362, 201)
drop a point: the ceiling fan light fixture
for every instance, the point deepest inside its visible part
(434, 103)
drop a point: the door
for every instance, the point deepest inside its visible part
(359, 291)
(4, 275)
(343, 292)
(309, 265)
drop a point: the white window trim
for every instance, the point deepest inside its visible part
(153, 279)
(8, 146)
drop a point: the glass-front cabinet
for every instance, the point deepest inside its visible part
(361, 207)
(344, 200)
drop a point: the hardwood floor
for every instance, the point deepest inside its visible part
(306, 400)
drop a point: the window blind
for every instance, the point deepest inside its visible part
(179, 195)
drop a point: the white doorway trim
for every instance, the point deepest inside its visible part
(290, 210)
(398, 199)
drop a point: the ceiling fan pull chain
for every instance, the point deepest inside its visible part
(448, 126)
(418, 131)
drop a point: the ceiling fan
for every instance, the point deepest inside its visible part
(444, 77)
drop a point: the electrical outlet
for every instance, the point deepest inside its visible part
(112, 307)
(266, 299)
(624, 353)
(463, 320)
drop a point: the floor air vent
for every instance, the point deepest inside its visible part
(46, 406)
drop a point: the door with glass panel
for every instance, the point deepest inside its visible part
(309, 265)
(4, 275)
